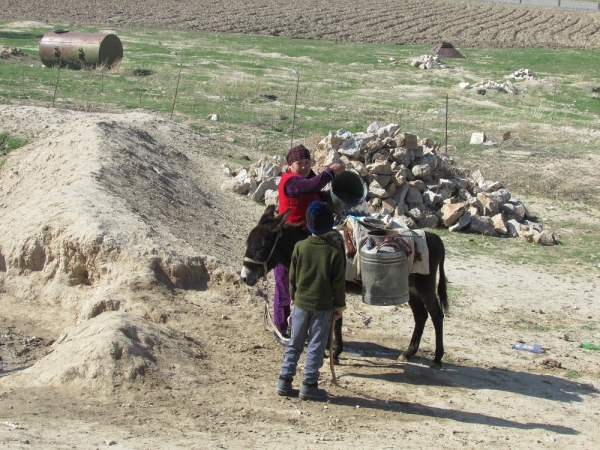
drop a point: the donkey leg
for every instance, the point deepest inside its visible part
(420, 316)
(431, 302)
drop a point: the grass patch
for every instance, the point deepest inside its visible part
(456, 296)
(572, 375)
(250, 83)
(341, 85)
(590, 326)
(7, 144)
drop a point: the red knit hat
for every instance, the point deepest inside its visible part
(297, 153)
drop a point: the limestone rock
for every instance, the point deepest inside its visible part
(377, 191)
(544, 238)
(401, 155)
(499, 224)
(388, 206)
(410, 140)
(463, 222)
(483, 225)
(414, 196)
(452, 212)
(513, 228)
(271, 197)
(418, 212)
(429, 221)
(433, 199)
(269, 183)
(380, 167)
(477, 138)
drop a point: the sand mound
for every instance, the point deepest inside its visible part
(103, 213)
(108, 351)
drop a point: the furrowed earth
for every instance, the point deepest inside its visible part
(124, 323)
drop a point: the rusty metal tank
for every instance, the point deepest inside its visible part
(77, 50)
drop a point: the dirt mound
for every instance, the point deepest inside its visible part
(102, 213)
(108, 351)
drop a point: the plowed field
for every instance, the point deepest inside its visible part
(466, 24)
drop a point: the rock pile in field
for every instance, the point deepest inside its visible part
(523, 74)
(505, 88)
(407, 178)
(7, 52)
(428, 62)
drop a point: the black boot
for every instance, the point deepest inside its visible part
(312, 392)
(284, 385)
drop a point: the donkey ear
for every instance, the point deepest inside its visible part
(279, 220)
(268, 214)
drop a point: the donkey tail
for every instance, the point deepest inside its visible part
(441, 290)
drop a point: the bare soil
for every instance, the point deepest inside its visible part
(123, 319)
(425, 22)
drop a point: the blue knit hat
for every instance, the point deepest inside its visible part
(319, 218)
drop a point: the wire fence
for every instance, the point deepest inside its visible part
(568, 4)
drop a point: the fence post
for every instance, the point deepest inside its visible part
(176, 90)
(446, 133)
(57, 78)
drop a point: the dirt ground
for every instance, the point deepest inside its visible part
(123, 319)
(124, 324)
(424, 22)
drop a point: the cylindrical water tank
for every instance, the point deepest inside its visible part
(76, 50)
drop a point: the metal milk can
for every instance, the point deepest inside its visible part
(384, 269)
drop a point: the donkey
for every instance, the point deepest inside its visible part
(272, 241)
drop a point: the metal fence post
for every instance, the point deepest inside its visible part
(57, 79)
(446, 133)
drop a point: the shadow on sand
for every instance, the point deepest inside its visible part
(418, 373)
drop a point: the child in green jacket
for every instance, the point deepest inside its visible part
(318, 293)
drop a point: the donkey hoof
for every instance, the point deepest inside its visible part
(436, 365)
(404, 357)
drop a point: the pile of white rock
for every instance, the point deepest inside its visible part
(408, 179)
(523, 74)
(506, 87)
(428, 62)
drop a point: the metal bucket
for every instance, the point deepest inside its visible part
(384, 269)
(76, 50)
(347, 190)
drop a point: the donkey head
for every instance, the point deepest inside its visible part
(262, 253)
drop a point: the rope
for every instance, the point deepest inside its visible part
(268, 322)
(264, 263)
